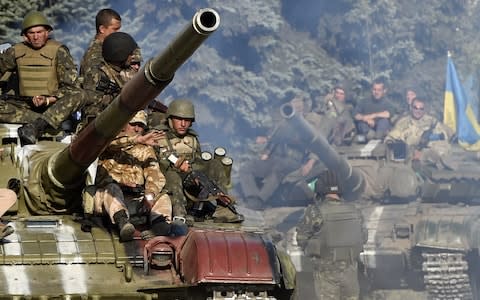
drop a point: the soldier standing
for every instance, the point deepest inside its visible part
(107, 22)
(47, 77)
(132, 173)
(105, 79)
(182, 141)
(331, 234)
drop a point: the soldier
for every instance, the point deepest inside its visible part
(182, 141)
(373, 114)
(48, 86)
(107, 22)
(7, 199)
(336, 117)
(105, 80)
(426, 138)
(280, 164)
(331, 234)
(132, 174)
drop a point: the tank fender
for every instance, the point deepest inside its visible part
(210, 256)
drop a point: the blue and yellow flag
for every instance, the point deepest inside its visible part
(458, 111)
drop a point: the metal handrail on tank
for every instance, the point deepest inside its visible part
(351, 180)
(67, 167)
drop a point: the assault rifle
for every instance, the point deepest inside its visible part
(27, 99)
(107, 86)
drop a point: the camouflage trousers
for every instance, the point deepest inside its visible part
(13, 111)
(174, 183)
(110, 200)
(337, 281)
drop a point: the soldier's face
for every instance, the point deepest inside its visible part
(378, 91)
(181, 125)
(134, 128)
(418, 110)
(114, 26)
(339, 94)
(37, 36)
(410, 96)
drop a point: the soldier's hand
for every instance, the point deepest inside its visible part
(150, 138)
(43, 100)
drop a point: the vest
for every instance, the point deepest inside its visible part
(37, 69)
(342, 232)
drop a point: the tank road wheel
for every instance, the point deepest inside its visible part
(446, 276)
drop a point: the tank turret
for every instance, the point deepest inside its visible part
(64, 171)
(364, 173)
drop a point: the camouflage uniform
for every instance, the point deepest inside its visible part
(125, 175)
(331, 235)
(70, 97)
(336, 122)
(186, 147)
(283, 165)
(92, 57)
(410, 130)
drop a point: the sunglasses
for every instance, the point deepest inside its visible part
(418, 108)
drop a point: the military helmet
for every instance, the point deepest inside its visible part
(140, 117)
(327, 183)
(117, 47)
(34, 18)
(181, 108)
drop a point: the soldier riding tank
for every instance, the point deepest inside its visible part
(49, 256)
(423, 225)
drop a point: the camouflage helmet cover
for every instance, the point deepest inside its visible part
(140, 117)
(117, 47)
(35, 18)
(181, 108)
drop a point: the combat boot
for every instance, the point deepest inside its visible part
(5, 230)
(29, 133)
(161, 227)
(225, 215)
(124, 226)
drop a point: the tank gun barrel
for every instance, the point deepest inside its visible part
(351, 180)
(69, 165)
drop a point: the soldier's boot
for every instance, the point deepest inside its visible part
(29, 133)
(161, 227)
(179, 211)
(5, 230)
(225, 215)
(179, 227)
(125, 228)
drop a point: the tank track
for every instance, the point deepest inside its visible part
(446, 276)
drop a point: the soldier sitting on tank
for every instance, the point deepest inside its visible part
(282, 164)
(331, 234)
(372, 115)
(132, 173)
(426, 138)
(179, 154)
(49, 91)
(107, 21)
(336, 117)
(105, 81)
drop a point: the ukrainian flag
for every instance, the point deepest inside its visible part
(458, 111)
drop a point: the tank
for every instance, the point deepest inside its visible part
(54, 253)
(423, 223)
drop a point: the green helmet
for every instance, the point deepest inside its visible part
(181, 108)
(34, 18)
